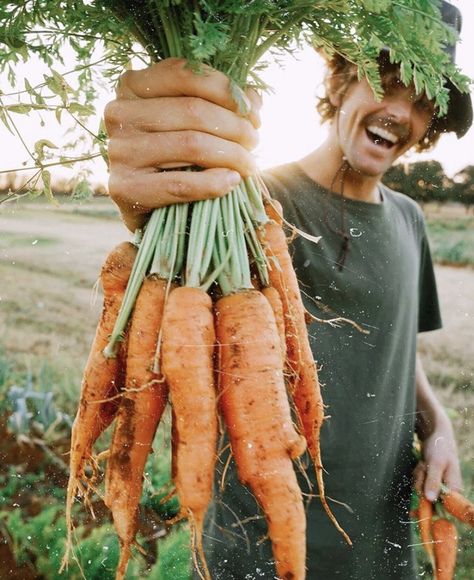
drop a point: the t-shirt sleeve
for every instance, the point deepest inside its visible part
(429, 315)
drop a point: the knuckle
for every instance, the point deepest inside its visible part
(115, 151)
(192, 144)
(178, 70)
(125, 83)
(251, 136)
(117, 187)
(178, 189)
(111, 116)
(194, 110)
(125, 78)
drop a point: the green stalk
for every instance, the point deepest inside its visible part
(221, 255)
(253, 192)
(197, 239)
(139, 270)
(242, 255)
(211, 235)
(183, 220)
(253, 242)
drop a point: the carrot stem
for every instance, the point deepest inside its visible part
(140, 266)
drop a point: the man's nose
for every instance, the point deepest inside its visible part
(399, 110)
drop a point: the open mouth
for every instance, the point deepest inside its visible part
(381, 137)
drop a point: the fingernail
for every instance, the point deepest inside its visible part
(233, 178)
(431, 496)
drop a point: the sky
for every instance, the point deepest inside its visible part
(290, 127)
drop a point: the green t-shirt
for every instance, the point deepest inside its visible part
(387, 286)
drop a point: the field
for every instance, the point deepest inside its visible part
(49, 303)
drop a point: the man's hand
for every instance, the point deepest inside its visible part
(167, 117)
(440, 462)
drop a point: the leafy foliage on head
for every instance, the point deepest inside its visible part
(230, 35)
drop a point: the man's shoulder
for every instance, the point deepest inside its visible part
(280, 176)
(402, 202)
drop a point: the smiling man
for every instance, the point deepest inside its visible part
(372, 266)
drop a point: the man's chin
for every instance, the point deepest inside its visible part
(370, 170)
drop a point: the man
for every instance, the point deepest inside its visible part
(372, 266)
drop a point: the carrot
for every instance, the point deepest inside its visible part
(140, 411)
(458, 506)
(304, 377)
(425, 517)
(102, 376)
(258, 419)
(187, 364)
(445, 548)
(271, 294)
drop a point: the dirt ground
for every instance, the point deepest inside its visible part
(49, 264)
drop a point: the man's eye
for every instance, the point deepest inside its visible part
(425, 104)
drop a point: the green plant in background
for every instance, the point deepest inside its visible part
(32, 491)
(452, 240)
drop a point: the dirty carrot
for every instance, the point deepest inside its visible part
(101, 376)
(445, 542)
(304, 377)
(271, 294)
(425, 517)
(141, 408)
(187, 365)
(258, 419)
(458, 506)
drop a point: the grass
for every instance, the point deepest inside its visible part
(451, 238)
(33, 478)
(9, 239)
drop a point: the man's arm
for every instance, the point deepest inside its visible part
(440, 462)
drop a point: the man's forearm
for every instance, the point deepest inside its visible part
(429, 411)
(440, 459)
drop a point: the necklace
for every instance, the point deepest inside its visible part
(342, 230)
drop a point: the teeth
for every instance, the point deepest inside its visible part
(383, 133)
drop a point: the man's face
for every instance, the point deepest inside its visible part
(372, 134)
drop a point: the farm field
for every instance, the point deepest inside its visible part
(49, 304)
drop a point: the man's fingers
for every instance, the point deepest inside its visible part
(177, 114)
(173, 78)
(453, 477)
(152, 190)
(155, 150)
(432, 484)
(419, 474)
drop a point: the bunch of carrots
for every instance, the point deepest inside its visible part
(438, 532)
(204, 312)
(200, 351)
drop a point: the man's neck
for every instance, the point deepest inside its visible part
(327, 169)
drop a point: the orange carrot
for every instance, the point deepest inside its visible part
(458, 506)
(140, 411)
(445, 548)
(425, 516)
(258, 419)
(304, 377)
(271, 294)
(187, 364)
(102, 376)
